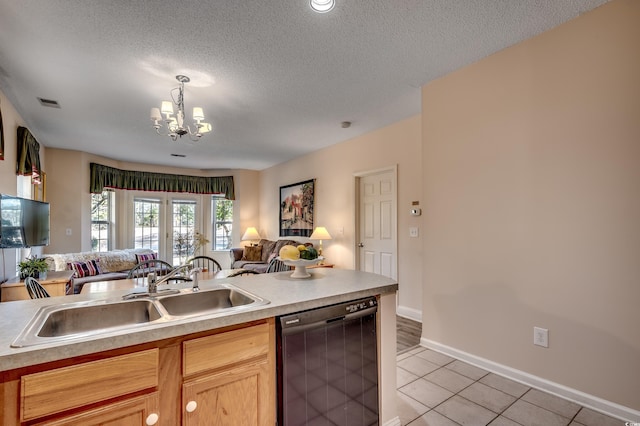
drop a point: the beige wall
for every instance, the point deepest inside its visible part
(531, 161)
(334, 169)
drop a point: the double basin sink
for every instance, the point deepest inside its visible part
(70, 321)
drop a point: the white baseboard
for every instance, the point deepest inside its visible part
(410, 313)
(593, 402)
(393, 422)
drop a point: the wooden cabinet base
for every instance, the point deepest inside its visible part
(224, 376)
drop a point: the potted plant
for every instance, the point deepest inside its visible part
(33, 267)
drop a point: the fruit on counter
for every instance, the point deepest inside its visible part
(302, 247)
(309, 253)
(289, 252)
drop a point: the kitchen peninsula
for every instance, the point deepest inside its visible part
(146, 367)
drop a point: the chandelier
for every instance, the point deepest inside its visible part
(175, 125)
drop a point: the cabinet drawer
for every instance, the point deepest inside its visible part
(133, 411)
(75, 386)
(207, 353)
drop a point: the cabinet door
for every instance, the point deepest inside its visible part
(131, 412)
(236, 396)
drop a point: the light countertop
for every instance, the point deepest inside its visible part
(286, 295)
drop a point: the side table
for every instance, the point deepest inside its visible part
(57, 283)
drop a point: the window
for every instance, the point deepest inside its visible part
(222, 212)
(184, 214)
(101, 221)
(146, 230)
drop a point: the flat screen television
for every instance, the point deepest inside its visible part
(23, 223)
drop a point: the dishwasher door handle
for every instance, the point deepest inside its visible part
(299, 328)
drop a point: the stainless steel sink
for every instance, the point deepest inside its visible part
(72, 321)
(84, 319)
(207, 301)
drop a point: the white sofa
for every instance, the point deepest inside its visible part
(114, 264)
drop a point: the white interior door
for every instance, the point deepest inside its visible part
(377, 243)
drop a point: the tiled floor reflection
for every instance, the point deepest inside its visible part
(437, 390)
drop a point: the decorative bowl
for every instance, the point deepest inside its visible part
(300, 266)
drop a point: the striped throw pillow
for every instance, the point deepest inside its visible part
(145, 257)
(85, 269)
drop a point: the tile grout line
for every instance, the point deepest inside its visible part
(478, 380)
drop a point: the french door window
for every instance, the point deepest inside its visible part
(146, 223)
(222, 215)
(183, 220)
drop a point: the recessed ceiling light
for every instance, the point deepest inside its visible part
(322, 6)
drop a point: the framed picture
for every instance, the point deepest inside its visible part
(1, 138)
(296, 209)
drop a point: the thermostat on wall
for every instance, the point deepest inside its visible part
(416, 212)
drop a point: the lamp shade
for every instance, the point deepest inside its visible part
(320, 233)
(198, 114)
(204, 127)
(167, 107)
(251, 234)
(155, 114)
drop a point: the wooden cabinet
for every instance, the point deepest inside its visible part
(223, 377)
(228, 378)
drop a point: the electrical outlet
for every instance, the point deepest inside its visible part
(413, 232)
(541, 337)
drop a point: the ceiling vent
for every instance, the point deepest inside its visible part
(178, 155)
(49, 103)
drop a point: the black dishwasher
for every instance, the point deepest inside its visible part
(328, 365)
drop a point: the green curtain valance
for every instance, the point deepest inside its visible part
(109, 177)
(28, 163)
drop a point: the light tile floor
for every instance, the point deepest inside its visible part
(437, 390)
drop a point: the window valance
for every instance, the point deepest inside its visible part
(109, 177)
(28, 162)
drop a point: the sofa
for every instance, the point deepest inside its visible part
(96, 266)
(257, 258)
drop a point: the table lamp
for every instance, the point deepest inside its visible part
(320, 233)
(251, 234)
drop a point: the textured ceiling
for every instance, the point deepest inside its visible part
(274, 78)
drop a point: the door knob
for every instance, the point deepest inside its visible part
(191, 406)
(360, 245)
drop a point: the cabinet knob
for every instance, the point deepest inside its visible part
(152, 419)
(191, 406)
